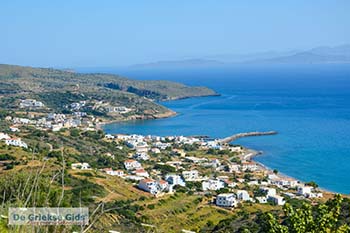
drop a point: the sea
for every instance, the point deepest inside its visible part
(307, 104)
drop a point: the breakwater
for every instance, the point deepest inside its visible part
(241, 135)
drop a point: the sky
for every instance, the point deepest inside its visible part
(83, 33)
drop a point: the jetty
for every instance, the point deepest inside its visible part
(241, 135)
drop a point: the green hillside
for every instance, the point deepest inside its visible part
(57, 88)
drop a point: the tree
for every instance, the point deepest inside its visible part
(312, 183)
(323, 218)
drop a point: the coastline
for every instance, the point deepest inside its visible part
(169, 113)
(254, 153)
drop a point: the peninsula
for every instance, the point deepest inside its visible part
(111, 97)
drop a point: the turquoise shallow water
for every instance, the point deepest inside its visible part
(308, 105)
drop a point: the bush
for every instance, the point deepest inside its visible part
(6, 157)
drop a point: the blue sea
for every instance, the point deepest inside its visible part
(309, 106)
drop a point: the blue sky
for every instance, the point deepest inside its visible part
(83, 33)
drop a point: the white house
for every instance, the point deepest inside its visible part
(243, 195)
(191, 175)
(215, 163)
(141, 156)
(226, 200)
(142, 147)
(131, 164)
(278, 200)
(149, 185)
(305, 190)
(155, 150)
(141, 172)
(308, 191)
(214, 145)
(14, 129)
(112, 172)
(81, 166)
(161, 145)
(56, 127)
(234, 167)
(261, 200)
(163, 185)
(4, 136)
(175, 180)
(251, 166)
(31, 103)
(253, 182)
(193, 159)
(230, 183)
(268, 191)
(16, 142)
(109, 136)
(284, 182)
(212, 185)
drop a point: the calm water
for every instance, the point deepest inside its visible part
(308, 105)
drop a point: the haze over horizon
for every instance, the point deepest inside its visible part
(109, 33)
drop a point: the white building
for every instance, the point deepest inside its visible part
(4, 136)
(81, 166)
(191, 175)
(163, 185)
(141, 172)
(261, 200)
(243, 195)
(268, 191)
(112, 172)
(141, 156)
(226, 200)
(249, 166)
(283, 182)
(175, 180)
(215, 163)
(149, 185)
(278, 200)
(234, 167)
(305, 190)
(16, 142)
(230, 183)
(30, 103)
(131, 164)
(109, 136)
(155, 150)
(212, 185)
(195, 159)
(14, 129)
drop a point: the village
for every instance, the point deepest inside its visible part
(164, 165)
(39, 116)
(230, 177)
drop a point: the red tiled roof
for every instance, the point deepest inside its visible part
(129, 161)
(147, 180)
(140, 170)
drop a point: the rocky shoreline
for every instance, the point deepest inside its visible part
(169, 113)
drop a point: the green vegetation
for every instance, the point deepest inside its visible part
(57, 88)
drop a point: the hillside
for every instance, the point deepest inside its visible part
(58, 88)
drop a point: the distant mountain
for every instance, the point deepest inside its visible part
(180, 63)
(309, 57)
(323, 54)
(238, 58)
